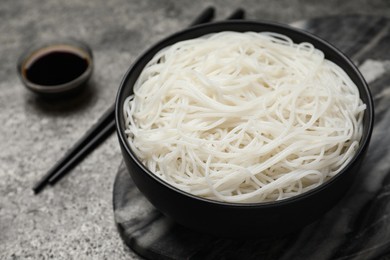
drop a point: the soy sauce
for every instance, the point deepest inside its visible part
(55, 67)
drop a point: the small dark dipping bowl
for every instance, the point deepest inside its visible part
(234, 219)
(56, 68)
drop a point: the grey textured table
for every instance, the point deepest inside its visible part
(75, 218)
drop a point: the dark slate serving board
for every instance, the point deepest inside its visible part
(358, 227)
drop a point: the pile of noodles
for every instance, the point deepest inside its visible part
(244, 117)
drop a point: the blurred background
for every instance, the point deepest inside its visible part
(74, 219)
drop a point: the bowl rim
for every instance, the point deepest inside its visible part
(364, 142)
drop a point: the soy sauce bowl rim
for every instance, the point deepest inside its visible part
(71, 43)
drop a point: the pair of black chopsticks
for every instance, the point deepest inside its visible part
(105, 126)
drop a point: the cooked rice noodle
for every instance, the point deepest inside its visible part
(244, 117)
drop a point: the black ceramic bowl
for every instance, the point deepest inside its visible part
(56, 68)
(233, 219)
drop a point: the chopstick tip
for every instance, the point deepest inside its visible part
(238, 14)
(37, 188)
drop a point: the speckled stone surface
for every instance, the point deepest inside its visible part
(356, 228)
(74, 219)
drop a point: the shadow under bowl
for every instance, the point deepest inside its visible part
(234, 219)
